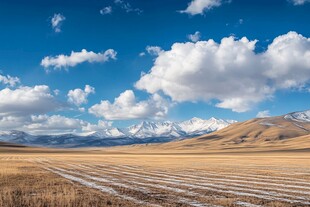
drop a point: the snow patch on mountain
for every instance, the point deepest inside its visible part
(148, 129)
(15, 136)
(197, 126)
(302, 116)
(108, 133)
(154, 129)
(145, 132)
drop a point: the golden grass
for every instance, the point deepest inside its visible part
(245, 164)
(25, 183)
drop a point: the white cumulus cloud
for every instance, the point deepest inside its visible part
(56, 22)
(50, 125)
(141, 54)
(127, 107)
(263, 114)
(97, 127)
(200, 6)
(24, 108)
(194, 37)
(230, 71)
(27, 100)
(153, 50)
(55, 124)
(75, 58)
(79, 96)
(8, 80)
(127, 6)
(287, 60)
(12, 122)
(106, 10)
(299, 2)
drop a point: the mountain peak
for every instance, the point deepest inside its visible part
(300, 116)
(213, 119)
(144, 132)
(193, 127)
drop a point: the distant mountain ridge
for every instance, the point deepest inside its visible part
(290, 132)
(145, 132)
(148, 129)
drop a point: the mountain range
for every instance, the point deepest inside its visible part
(290, 132)
(145, 132)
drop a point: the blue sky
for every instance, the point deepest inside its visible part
(128, 27)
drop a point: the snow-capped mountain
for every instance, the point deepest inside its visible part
(197, 126)
(155, 129)
(148, 129)
(15, 136)
(108, 133)
(145, 132)
(302, 116)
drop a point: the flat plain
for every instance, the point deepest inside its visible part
(45, 177)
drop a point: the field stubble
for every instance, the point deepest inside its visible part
(81, 179)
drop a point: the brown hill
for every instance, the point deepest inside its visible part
(259, 134)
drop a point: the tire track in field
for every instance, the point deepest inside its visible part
(214, 187)
(175, 181)
(259, 177)
(164, 187)
(220, 181)
(189, 202)
(104, 189)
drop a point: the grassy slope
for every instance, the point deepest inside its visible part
(256, 135)
(267, 134)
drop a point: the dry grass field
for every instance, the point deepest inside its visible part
(39, 177)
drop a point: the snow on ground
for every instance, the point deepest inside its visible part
(186, 185)
(246, 204)
(104, 189)
(214, 187)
